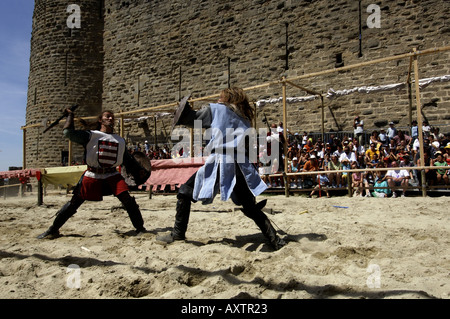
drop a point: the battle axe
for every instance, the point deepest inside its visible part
(72, 108)
(183, 109)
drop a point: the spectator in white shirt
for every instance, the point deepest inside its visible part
(397, 177)
(347, 155)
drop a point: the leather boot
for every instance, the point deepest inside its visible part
(255, 212)
(67, 211)
(134, 213)
(181, 221)
(181, 218)
(271, 234)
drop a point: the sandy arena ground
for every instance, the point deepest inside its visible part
(366, 248)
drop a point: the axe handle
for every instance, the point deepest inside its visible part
(72, 108)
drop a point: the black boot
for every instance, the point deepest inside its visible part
(181, 221)
(271, 234)
(134, 213)
(181, 218)
(67, 211)
(254, 211)
(49, 233)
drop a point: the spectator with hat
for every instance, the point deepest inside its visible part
(294, 167)
(311, 165)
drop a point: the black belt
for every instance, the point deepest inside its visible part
(102, 170)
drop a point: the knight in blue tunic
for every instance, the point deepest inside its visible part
(227, 169)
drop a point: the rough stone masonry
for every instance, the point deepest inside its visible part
(134, 54)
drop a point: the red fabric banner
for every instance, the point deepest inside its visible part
(173, 172)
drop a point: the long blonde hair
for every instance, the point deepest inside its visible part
(238, 97)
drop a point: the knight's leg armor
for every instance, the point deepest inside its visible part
(67, 211)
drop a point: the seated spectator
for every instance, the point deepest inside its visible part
(381, 185)
(339, 150)
(414, 131)
(383, 137)
(309, 146)
(345, 164)
(434, 146)
(304, 138)
(430, 174)
(383, 154)
(426, 128)
(328, 149)
(441, 174)
(276, 181)
(375, 139)
(358, 148)
(403, 147)
(447, 153)
(264, 171)
(368, 181)
(347, 155)
(397, 177)
(401, 136)
(391, 131)
(392, 146)
(371, 151)
(322, 185)
(357, 181)
(293, 167)
(374, 162)
(334, 165)
(326, 160)
(405, 161)
(310, 166)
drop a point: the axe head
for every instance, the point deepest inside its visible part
(181, 111)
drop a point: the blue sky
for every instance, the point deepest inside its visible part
(15, 35)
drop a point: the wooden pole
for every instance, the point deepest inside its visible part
(303, 88)
(362, 64)
(24, 149)
(122, 126)
(40, 193)
(323, 120)
(286, 186)
(419, 122)
(408, 83)
(70, 157)
(191, 139)
(156, 137)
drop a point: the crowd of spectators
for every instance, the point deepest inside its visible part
(153, 152)
(339, 152)
(389, 148)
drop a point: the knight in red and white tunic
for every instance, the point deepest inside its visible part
(104, 153)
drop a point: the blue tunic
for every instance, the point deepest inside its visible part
(227, 146)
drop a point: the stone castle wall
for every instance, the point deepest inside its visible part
(66, 67)
(154, 52)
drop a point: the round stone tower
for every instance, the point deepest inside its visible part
(66, 68)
